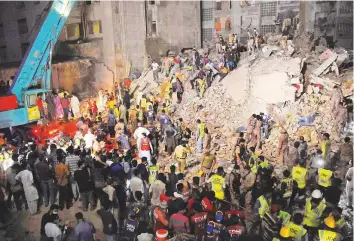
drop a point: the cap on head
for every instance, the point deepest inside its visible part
(219, 216)
(210, 227)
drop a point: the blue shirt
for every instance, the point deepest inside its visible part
(84, 231)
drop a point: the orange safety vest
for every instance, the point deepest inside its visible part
(145, 144)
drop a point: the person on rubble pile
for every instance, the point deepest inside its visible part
(181, 152)
(325, 144)
(297, 231)
(169, 135)
(123, 113)
(240, 152)
(324, 178)
(341, 118)
(299, 175)
(314, 211)
(145, 147)
(250, 127)
(336, 99)
(286, 187)
(218, 183)
(283, 147)
(207, 164)
(200, 133)
(233, 184)
(349, 186)
(346, 154)
(261, 207)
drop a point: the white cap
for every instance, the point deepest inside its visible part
(316, 194)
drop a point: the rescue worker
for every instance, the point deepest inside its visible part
(123, 113)
(163, 119)
(314, 208)
(341, 224)
(325, 144)
(253, 161)
(201, 87)
(299, 176)
(139, 114)
(349, 186)
(236, 227)
(283, 148)
(286, 187)
(219, 228)
(200, 133)
(180, 154)
(131, 225)
(153, 171)
(218, 183)
(198, 220)
(257, 131)
(145, 147)
(143, 103)
(160, 216)
(346, 154)
(240, 152)
(207, 164)
(210, 235)
(297, 231)
(170, 134)
(234, 183)
(261, 207)
(324, 178)
(133, 117)
(328, 233)
(250, 127)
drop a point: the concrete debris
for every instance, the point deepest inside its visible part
(327, 63)
(325, 54)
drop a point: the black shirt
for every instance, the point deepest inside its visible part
(47, 218)
(108, 221)
(332, 195)
(83, 179)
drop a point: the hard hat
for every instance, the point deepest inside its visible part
(210, 227)
(219, 216)
(284, 232)
(330, 222)
(316, 194)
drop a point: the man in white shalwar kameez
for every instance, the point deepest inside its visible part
(31, 193)
(75, 106)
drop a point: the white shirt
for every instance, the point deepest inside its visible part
(52, 231)
(136, 184)
(88, 138)
(154, 66)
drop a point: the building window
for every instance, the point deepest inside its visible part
(267, 29)
(20, 4)
(152, 2)
(228, 25)
(345, 7)
(218, 5)
(36, 2)
(94, 27)
(22, 25)
(207, 34)
(72, 31)
(87, 2)
(207, 14)
(153, 28)
(268, 8)
(344, 29)
(3, 56)
(2, 30)
(24, 47)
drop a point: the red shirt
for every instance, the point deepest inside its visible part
(207, 205)
(198, 221)
(236, 212)
(236, 230)
(179, 223)
(190, 203)
(127, 83)
(64, 103)
(39, 103)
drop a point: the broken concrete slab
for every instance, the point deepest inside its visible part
(325, 54)
(334, 68)
(327, 63)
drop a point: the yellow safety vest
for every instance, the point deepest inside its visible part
(181, 152)
(299, 176)
(312, 216)
(143, 103)
(284, 217)
(153, 170)
(140, 115)
(275, 239)
(264, 164)
(264, 208)
(296, 231)
(149, 106)
(340, 223)
(254, 167)
(324, 177)
(327, 235)
(116, 112)
(217, 183)
(289, 187)
(201, 127)
(324, 148)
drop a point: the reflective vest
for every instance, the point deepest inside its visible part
(275, 239)
(264, 208)
(299, 176)
(264, 164)
(217, 184)
(284, 217)
(201, 127)
(143, 103)
(340, 223)
(289, 187)
(254, 166)
(145, 144)
(116, 112)
(324, 177)
(153, 170)
(140, 115)
(326, 235)
(324, 148)
(312, 216)
(296, 231)
(149, 106)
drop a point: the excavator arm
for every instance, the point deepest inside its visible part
(36, 65)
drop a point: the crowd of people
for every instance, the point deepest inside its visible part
(113, 167)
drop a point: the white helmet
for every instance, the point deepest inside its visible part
(316, 194)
